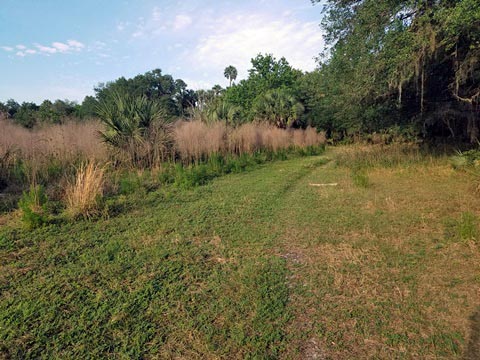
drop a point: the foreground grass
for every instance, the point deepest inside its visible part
(255, 265)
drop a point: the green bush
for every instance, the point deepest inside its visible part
(466, 159)
(33, 205)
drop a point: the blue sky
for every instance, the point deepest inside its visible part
(60, 49)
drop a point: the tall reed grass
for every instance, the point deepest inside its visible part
(30, 156)
(52, 154)
(196, 140)
(61, 141)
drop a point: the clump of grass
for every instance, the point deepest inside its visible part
(360, 178)
(467, 226)
(33, 205)
(83, 195)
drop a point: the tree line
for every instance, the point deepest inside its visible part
(408, 63)
(273, 92)
(412, 66)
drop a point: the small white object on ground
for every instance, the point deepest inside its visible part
(329, 184)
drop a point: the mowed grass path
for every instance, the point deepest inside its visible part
(256, 265)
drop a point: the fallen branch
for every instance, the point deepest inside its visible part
(329, 184)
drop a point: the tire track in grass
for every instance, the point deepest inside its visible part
(184, 275)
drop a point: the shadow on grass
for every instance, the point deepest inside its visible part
(473, 347)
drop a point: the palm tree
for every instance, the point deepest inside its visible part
(220, 110)
(217, 90)
(133, 125)
(278, 107)
(230, 73)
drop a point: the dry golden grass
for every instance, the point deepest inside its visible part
(276, 139)
(35, 150)
(192, 140)
(60, 141)
(246, 138)
(83, 194)
(195, 140)
(359, 155)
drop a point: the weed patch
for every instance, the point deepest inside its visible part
(33, 206)
(360, 178)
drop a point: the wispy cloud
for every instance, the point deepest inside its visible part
(122, 25)
(238, 38)
(156, 14)
(181, 21)
(45, 49)
(157, 24)
(60, 47)
(23, 53)
(203, 41)
(56, 47)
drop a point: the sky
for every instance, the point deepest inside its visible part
(61, 49)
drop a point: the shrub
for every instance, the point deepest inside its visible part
(33, 205)
(136, 128)
(83, 195)
(466, 159)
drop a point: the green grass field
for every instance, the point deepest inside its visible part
(259, 265)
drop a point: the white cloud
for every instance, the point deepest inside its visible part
(157, 24)
(234, 40)
(46, 49)
(76, 45)
(21, 47)
(25, 52)
(181, 21)
(61, 47)
(7, 48)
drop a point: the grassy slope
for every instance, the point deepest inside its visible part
(255, 265)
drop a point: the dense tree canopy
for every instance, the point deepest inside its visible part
(266, 73)
(171, 94)
(28, 114)
(404, 62)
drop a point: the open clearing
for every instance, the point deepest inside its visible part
(256, 265)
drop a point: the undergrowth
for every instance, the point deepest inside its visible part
(33, 206)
